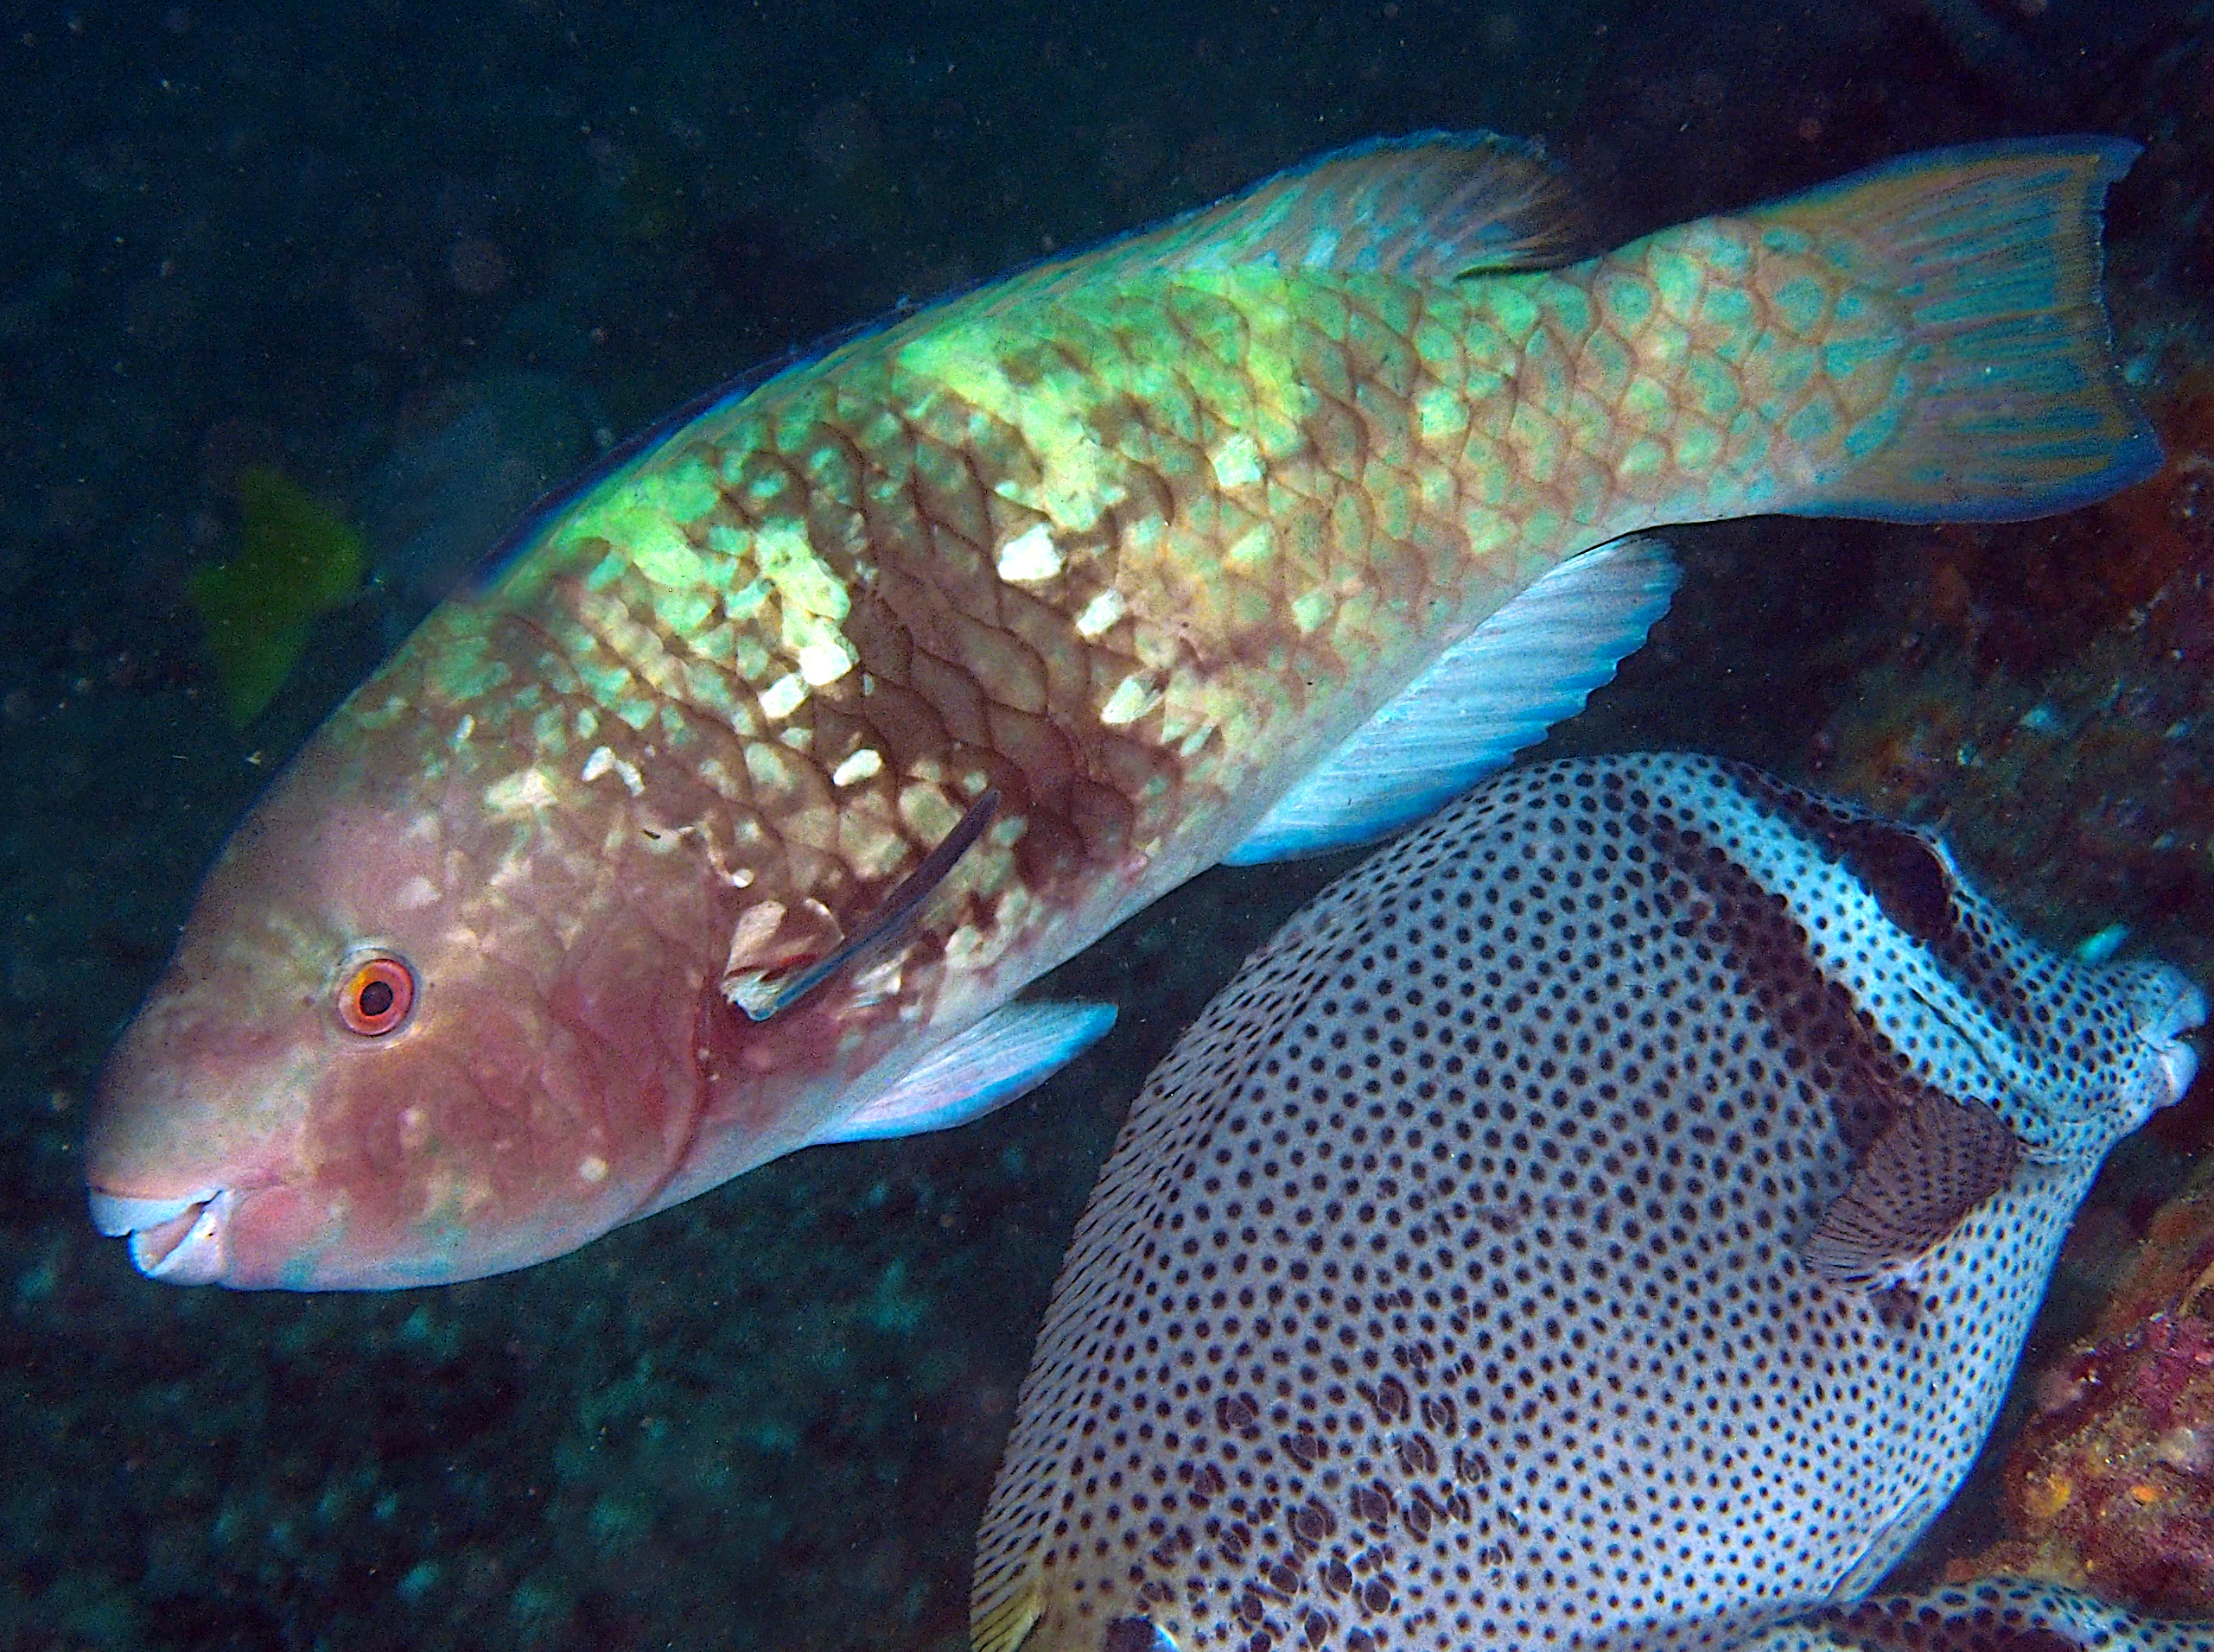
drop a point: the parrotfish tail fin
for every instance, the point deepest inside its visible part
(2004, 401)
(298, 559)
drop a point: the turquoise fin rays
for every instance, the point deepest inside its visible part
(2010, 405)
(1500, 688)
(1010, 1051)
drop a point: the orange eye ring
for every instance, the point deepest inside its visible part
(376, 994)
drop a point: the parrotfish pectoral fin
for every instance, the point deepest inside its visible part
(1010, 1051)
(1938, 1160)
(1498, 690)
(763, 994)
(1431, 206)
(2010, 406)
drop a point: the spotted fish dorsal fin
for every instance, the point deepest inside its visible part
(1935, 1161)
(1527, 666)
(1006, 1623)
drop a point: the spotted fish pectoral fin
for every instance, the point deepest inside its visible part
(1500, 688)
(1008, 1054)
(1001, 1621)
(1936, 1161)
(762, 993)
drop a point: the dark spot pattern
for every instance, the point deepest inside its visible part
(1445, 1286)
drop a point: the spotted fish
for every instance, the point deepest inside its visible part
(1609, 1217)
(732, 808)
(1990, 1615)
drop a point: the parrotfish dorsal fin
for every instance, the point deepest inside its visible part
(1936, 1161)
(1426, 207)
(764, 994)
(1525, 668)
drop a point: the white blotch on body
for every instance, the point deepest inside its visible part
(825, 661)
(603, 761)
(1134, 697)
(1030, 557)
(1237, 460)
(523, 792)
(1100, 615)
(782, 697)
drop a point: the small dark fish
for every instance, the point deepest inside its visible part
(1608, 1217)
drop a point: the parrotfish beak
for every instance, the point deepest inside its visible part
(195, 1136)
(177, 1240)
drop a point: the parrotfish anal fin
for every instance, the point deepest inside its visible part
(1010, 1051)
(1936, 1161)
(1499, 689)
(2012, 405)
(761, 995)
(1427, 207)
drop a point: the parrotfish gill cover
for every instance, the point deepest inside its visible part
(734, 812)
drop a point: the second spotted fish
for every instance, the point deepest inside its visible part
(732, 810)
(1608, 1218)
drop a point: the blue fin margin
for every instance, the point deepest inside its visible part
(1526, 667)
(1009, 1052)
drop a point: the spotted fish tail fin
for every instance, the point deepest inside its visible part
(2002, 401)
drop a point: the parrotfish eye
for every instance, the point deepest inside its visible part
(375, 995)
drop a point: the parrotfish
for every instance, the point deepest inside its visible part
(1608, 1217)
(728, 810)
(1990, 1615)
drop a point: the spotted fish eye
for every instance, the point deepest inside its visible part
(1903, 872)
(375, 994)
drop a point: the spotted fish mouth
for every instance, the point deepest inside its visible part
(2186, 1013)
(179, 1240)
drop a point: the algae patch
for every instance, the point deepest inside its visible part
(297, 560)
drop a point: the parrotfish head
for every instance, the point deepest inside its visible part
(390, 1052)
